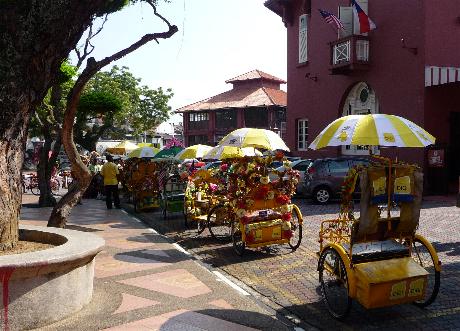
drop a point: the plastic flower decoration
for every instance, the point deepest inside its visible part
(285, 209)
(240, 212)
(270, 195)
(265, 180)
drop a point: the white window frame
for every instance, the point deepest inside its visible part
(303, 38)
(302, 135)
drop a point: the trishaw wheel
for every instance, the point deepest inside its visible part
(334, 283)
(421, 254)
(184, 211)
(136, 207)
(200, 226)
(237, 239)
(296, 228)
(55, 186)
(34, 189)
(219, 227)
(163, 205)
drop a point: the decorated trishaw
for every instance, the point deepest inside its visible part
(173, 192)
(147, 173)
(142, 182)
(377, 258)
(259, 208)
(262, 208)
(200, 199)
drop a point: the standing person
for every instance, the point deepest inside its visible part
(109, 172)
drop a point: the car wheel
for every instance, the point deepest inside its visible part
(322, 195)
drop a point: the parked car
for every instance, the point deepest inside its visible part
(324, 178)
(301, 165)
(212, 165)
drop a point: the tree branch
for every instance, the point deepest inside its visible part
(61, 211)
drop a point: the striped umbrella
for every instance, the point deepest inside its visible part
(144, 152)
(258, 138)
(373, 130)
(193, 152)
(228, 152)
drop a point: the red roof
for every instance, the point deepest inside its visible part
(240, 98)
(256, 74)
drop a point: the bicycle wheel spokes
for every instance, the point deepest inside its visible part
(422, 255)
(219, 223)
(334, 283)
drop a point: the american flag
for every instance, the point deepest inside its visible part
(331, 19)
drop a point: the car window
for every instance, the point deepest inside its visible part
(338, 166)
(302, 166)
(359, 162)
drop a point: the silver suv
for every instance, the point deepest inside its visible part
(324, 178)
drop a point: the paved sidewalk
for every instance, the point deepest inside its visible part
(143, 282)
(289, 280)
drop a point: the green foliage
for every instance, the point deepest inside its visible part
(66, 72)
(112, 6)
(121, 104)
(98, 103)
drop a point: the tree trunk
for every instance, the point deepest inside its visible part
(44, 170)
(12, 143)
(35, 37)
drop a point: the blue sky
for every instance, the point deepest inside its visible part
(217, 40)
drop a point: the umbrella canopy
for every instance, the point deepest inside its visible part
(228, 152)
(259, 138)
(122, 148)
(146, 145)
(144, 152)
(193, 152)
(168, 153)
(373, 130)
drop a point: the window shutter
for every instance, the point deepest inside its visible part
(346, 16)
(364, 5)
(303, 38)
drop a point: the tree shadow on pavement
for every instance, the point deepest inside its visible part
(251, 319)
(450, 249)
(163, 255)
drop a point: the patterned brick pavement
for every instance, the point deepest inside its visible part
(290, 280)
(143, 282)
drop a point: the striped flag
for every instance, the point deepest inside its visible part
(331, 19)
(365, 23)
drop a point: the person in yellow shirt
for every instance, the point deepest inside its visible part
(110, 171)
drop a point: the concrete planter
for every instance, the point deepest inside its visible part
(45, 286)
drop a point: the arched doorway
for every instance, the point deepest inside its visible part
(360, 100)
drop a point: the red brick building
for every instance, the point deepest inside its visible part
(255, 101)
(409, 66)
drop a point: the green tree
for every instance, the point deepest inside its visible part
(36, 36)
(47, 123)
(140, 108)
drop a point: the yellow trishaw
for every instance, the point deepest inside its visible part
(263, 214)
(200, 200)
(376, 259)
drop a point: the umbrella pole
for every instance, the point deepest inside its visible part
(389, 193)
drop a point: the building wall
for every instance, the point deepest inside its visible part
(442, 32)
(395, 74)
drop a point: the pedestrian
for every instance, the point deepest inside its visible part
(110, 173)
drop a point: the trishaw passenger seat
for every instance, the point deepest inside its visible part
(410, 210)
(369, 213)
(377, 250)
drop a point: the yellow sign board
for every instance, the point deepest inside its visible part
(416, 287)
(398, 291)
(402, 185)
(380, 186)
(276, 234)
(258, 235)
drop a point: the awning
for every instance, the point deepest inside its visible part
(441, 75)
